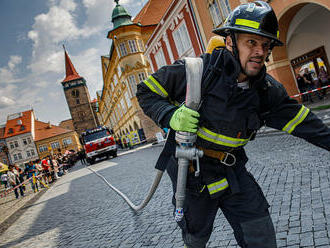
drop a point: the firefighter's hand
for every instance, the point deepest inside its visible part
(184, 119)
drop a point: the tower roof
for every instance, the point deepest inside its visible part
(71, 73)
(120, 16)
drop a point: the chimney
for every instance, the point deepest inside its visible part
(49, 125)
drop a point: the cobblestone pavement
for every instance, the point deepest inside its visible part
(81, 211)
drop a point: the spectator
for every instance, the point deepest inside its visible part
(324, 80)
(82, 156)
(32, 170)
(4, 179)
(302, 87)
(310, 84)
(46, 171)
(21, 175)
(13, 178)
(52, 168)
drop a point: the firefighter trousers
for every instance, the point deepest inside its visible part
(246, 211)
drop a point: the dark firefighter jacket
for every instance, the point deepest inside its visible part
(229, 115)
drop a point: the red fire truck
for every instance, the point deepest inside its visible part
(98, 142)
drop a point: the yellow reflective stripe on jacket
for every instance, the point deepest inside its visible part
(247, 23)
(217, 186)
(220, 139)
(154, 86)
(300, 117)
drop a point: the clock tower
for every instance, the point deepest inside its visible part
(77, 98)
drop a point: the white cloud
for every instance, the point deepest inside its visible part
(13, 61)
(5, 101)
(8, 73)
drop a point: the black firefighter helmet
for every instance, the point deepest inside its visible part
(255, 18)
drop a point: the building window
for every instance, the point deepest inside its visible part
(43, 148)
(160, 58)
(132, 46)
(219, 14)
(215, 13)
(128, 101)
(16, 143)
(123, 105)
(12, 145)
(67, 141)
(225, 9)
(141, 45)
(28, 154)
(24, 142)
(29, 140)
(15, 157)
(119, 71)
(32, 153)
(181, 39)
(19, 155)
(142, 76)
(55, 145)
(10, 130)
(120, 112)
(75, 93)
(115, 80)
(123, 49)
(132, 84)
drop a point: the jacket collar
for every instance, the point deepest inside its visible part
(232, 68)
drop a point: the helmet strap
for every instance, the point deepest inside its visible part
(233, 37)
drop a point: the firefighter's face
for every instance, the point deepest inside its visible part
(253, 50)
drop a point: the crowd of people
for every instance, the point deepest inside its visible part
(307, 82)
(39, 173)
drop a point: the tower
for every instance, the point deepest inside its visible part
(77, 98)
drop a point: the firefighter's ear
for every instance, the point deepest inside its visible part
(229, 43)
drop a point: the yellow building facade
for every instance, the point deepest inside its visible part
(123, 69)
(51, 140)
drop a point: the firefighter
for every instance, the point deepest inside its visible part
(238, 97)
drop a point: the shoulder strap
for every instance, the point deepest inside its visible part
(194, 73)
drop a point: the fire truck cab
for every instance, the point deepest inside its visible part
(98, 142)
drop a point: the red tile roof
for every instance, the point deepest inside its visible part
(152, 12)
(19, 125)
(44, 130)
(71, 73)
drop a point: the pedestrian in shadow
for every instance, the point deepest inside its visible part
(13, 178)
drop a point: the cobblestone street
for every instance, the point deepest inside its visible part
(80, 210)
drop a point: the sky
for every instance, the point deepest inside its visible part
(32, 63)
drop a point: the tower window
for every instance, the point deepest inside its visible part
(75, 93)
(77, 101)
(132, 46)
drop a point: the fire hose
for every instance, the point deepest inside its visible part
(185, 151)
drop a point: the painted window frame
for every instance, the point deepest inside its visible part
(182, 38)
(42, 148)
(160, 58)
(53, 145)
(133, 46)
(123, 49)
(128, 100)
